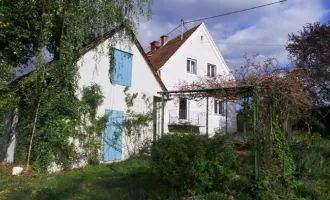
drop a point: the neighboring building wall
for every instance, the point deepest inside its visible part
(7, 139)
(199, 46)
(143, 82)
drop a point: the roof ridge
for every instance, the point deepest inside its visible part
(161, 55)
(187, 31)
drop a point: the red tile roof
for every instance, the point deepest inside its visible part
(161, 55)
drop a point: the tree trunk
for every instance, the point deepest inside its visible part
(32, 135)
(35, 124)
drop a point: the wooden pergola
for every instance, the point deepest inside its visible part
(225, 93)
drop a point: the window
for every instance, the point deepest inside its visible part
(219, 107)
(211, 70)
(191, 66)
(122, 73)
(183, 108)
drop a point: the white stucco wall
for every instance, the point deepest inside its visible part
(143, 82)
(8, 138)
(94, 68)
(204, 51)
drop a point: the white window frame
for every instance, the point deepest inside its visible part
(209, 70)
(191, 70)
(217, 110)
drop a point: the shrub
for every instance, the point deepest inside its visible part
(223, 162)
(192, 163)
(308, 190)
(214, 196)
(180, 161)
(183, 127)
(145, 148)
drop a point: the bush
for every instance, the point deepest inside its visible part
(308, 190)
(185, 127)
(194, 164)
(214, 196)
(145, 148)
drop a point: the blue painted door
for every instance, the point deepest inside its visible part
(112, 140)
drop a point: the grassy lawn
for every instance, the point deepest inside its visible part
(123, 180)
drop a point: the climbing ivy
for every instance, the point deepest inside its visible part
(135, 121)
(93, 126)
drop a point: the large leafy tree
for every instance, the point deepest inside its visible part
(20, 24)
(309, 51)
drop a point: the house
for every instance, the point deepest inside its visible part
(186, 58)
(133, 70)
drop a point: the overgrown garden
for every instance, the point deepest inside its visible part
(286, 154)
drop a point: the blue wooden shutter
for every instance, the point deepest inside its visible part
(123, 68)
(112, 140)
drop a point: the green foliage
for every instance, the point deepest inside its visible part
(311, 190)
(49, 113)
(135, 122)
(93, 97)
(214, 196)
(311, 155)
(282, 154)
(192, 163)
(183, 127)
(20, 25)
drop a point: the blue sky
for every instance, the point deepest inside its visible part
(262, 31)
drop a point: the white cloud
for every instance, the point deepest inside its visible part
(236, 34)
(271, 30)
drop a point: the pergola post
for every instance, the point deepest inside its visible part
(162, 123)
(226, 116)
(207, 116)
(256, 136)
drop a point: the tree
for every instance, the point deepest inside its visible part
(20, 25)
(309, 51)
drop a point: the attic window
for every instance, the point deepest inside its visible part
(191, 66)
(201, 37)
(211, 70)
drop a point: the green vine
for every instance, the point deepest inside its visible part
(51, 119)
(135, 122)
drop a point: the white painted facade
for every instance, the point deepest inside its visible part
(200, 47)
(94, 70)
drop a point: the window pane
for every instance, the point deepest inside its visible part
(183, 108)
(213, 71)
(191, 66)
(220, 107)
(215, 107)
(195, 67)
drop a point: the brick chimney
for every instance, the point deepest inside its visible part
(164, 39)
(154, 45)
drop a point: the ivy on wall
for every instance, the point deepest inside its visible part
(51, 117)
